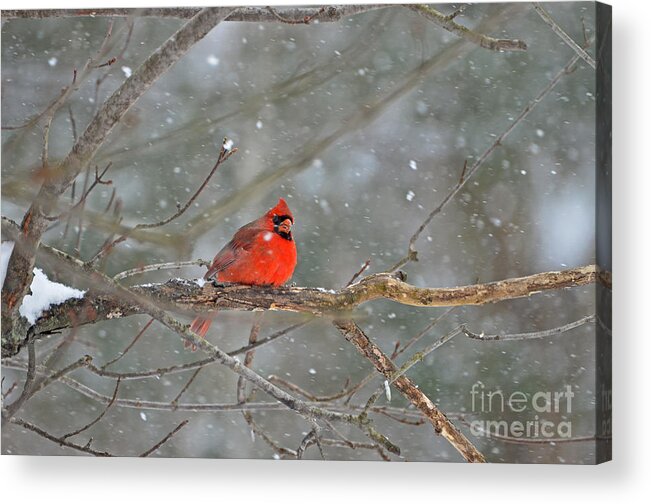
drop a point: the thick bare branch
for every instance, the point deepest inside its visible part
(442, 425)
(35, 222)
(330, 13)
(187, 296)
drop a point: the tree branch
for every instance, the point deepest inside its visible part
(35, 222)
(469, 171)
(330, 13)
(354, 334)
(187, 296)
(58, 440)
(448, 23)
(564, 36)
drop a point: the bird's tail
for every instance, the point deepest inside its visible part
(200, 327)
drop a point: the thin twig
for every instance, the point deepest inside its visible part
(359, 272)
(248, 358)
(129, 346)
(305, 20)
(60, 441)
(468, 174)
(448, 23)
(359, 119)
(8, 392)
(65, 93)
(442, 425)
(100, 80)
(165, 439)
(269, 339)
(413, 360)
(356, 445)
(178, 396)
(225, 152)
(80, 213)
(564, 36)
(48, 380)
(98, 180)
(161, 266)
(99, 417)
(530, 335)
(242, 397)
(73, 124)
(423, 332)
(27, 387)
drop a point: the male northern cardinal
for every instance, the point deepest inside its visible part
(262, 252)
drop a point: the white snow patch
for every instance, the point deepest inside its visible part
(410, 196)
(52, 61)
(228, 144)
(212, 60)
(200, 282)
(258, 125)
(143, 416)
(126, 71)
(5, 253)
(312, 371)
(45, 293)
(413, 165)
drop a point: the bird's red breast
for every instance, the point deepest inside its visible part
(262, 252)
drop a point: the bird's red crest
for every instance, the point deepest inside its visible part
(281, 208)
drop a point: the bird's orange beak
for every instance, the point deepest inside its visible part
(285, 226)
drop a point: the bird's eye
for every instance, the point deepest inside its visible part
(277, 219)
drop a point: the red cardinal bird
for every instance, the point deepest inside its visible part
(262, 252)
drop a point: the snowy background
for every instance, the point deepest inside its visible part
(278, 91)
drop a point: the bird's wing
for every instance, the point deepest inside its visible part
(243, 240)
